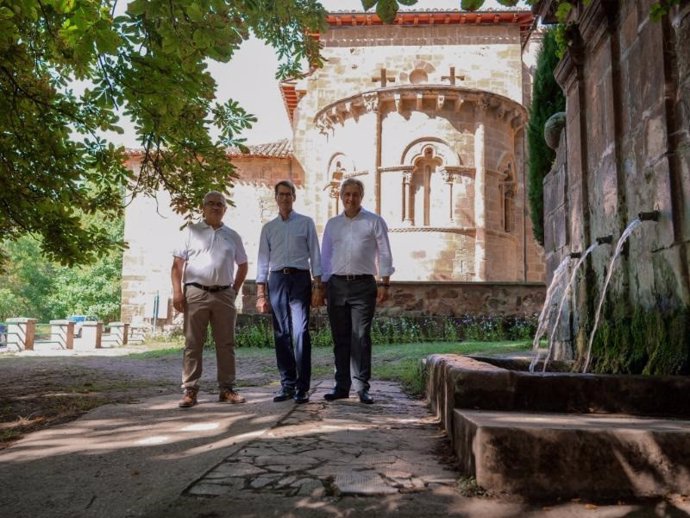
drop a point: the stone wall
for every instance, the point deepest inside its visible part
(626, 150)
(415, 299)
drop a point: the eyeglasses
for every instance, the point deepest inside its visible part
(284, 195)
(218, 204)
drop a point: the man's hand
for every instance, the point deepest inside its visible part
(178, 302)
(382, 294)
(262, 304)
(317, 296)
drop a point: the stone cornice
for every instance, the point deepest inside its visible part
(426, 98)
(591, 28)
(468, 231)
(522, 18)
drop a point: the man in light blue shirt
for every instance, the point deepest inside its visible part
(288, 250)
(355, 249)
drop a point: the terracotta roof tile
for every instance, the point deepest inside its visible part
(279, 149)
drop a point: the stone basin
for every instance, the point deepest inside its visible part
(563, 435)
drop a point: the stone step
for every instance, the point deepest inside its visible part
(546, 455)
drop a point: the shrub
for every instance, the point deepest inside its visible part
(547, 99)
(257, 330)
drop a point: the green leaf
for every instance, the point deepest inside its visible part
(471, 5)
(136, 8)
(387, 10)
(6, 13)
(368, 4)
(407, 2)
(195, 13)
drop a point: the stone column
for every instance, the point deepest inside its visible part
(448, 179)
(21, 333)
(480, 192)
(407, 198)
(62, 333)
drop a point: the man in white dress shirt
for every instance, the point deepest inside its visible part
(204, 287)
(355, 249)
(288, 249)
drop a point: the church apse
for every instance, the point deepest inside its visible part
(427, 156)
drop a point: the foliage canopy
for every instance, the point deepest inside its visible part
(70, 68)
(33, 286)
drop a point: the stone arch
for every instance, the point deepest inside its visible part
(415, 150)
(339, 166)
(339, 163)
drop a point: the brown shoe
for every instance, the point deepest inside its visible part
(230, 396)
(189, 398)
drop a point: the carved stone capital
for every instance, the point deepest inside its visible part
(371, 101)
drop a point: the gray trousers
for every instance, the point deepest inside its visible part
(351, 305)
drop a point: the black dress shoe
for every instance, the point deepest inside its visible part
(301, 396)
(365, 398)
(283, 395)
(336, 394)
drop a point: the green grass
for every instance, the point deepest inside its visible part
(403, 362)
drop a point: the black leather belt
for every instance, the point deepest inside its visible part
(289, 271)
(210, 289)
(353, 277)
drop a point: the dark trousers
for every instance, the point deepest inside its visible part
(351, 306)
(290, 296)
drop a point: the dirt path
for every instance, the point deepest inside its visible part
(37, 391)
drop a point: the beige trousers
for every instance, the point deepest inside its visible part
(201, 309)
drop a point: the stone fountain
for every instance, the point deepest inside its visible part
(623, 428)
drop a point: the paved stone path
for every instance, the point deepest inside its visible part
(262, 459)
(323, 449)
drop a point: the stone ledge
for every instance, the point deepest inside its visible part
(573, 455)
(562, 435)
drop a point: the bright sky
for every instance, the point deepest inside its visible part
(249, 78)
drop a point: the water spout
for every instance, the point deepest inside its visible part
(652, 215)
(619, 248)
(554, 329)
(545, 315)
(604, 240)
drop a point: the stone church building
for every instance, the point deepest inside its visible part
(430, 114)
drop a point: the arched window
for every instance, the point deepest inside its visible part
(420, 182)
(338, 166)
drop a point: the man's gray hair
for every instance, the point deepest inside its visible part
(352, 181)
(215, 193)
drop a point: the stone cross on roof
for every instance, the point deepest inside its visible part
(452, 77)
(383, 78)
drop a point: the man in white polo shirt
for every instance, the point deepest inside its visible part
(205, 286)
